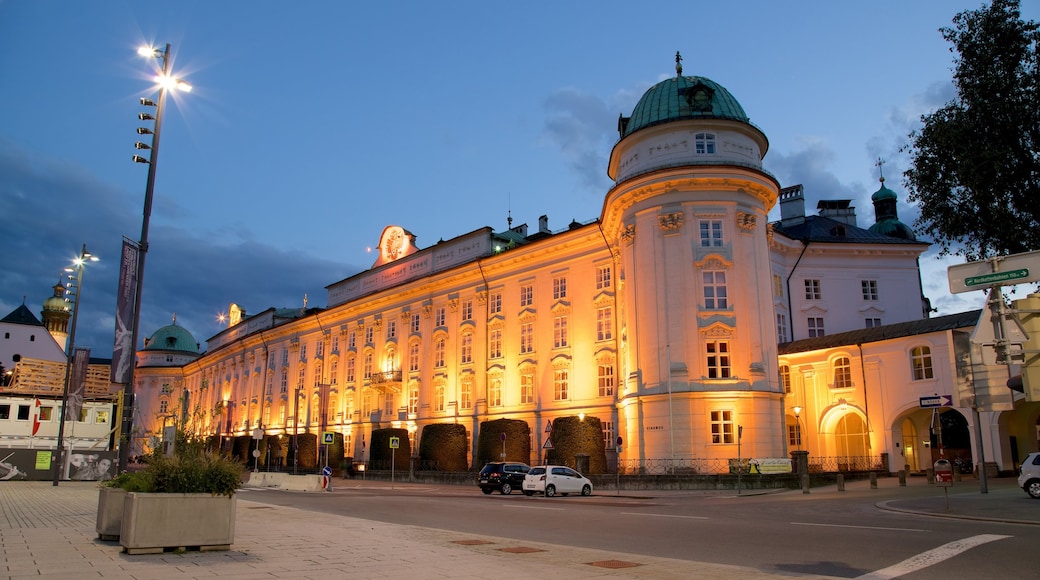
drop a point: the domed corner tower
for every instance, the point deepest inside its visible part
(56, 313)
(687, 221)
(170, 346)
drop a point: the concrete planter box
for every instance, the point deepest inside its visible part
(155, 522)
(110, 512)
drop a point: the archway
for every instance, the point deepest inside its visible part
(850, 441)
(909, 445)
(951, 438)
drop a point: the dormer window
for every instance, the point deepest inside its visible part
(704, 143)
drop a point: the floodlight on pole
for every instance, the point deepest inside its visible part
(166, 83)
(73, 292)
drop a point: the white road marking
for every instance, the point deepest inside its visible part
(857, 527)
(931, 557)
(531, 507)
(664, 515)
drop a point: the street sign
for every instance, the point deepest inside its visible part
(326, 471)
(997, 271)
(395, 442)
(548, 426)
(548, 444)
(258, 433)
(936, 401)
(328, 438)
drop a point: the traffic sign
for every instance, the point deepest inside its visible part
(548, 444)
(548, 426)
(326, 470)
(395, 442)
(936, 401)
(997, 271)
(328, 438)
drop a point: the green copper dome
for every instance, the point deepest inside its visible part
(172, 337)
(679, 98)
(883, 194)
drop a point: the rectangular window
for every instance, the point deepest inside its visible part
(23, 412)
(559, 288)
(303, 352)
(495, 303)
(366, 367)
(334, 371)
(526, 295)
(369, 333)
(352, 340)
(715, 296)
(561, 385)
(711, 233)
(438, 353)
(285, 357)
(718, 359)
(467, 310)
(921, 363)
(704, 143)
(608, 434)
(47, 412)
(778, 286)
(391, 329)
(722, 428)
(438, 402)
(605, 374)
(869, 289)
(284, 387)
(872, 322)
(440, 317)
(812, 290)
(415, 323)
(413, 357)
(605, 323)
(5, 412)
(413, 399)
(842, 373)
(495, 393)
(350, 371)
(466, 351)
(319, 349)
(794, 435)
(559, 332)
(527, 388)
(466, 394)
(781, 327)
(526, 337)
(495, 343)
(603, 279)
(388, 403)
(815, 326)
(785, 378)
(335, 343)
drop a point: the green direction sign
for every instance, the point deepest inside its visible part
(996, 277)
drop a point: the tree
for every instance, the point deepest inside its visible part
(975, 164)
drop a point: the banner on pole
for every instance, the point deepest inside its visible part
(123, 355)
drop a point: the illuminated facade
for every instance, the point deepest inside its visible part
(661, 317)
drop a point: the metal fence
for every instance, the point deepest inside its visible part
(724, 466)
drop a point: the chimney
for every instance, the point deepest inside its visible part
(838, 210)
(543, 225)
(792, 205)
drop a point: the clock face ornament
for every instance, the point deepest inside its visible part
(393, 244)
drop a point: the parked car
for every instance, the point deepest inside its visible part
(504, 476)
(556, 479)
(1029, 478)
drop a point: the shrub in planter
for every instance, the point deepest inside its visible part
(444, 446)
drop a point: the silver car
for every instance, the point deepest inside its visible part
(1028, 479)
(556, 479)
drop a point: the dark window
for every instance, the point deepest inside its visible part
(23, 412)
(5, 411)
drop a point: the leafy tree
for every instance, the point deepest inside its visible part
(975, 164)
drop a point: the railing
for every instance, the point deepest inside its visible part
(845, 464)
(386, 377)
(723, 466)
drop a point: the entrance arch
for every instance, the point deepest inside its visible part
(909, 444)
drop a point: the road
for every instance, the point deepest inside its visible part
(826, 532)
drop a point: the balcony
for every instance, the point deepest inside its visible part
(387, 382)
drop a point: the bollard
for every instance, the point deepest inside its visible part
(902, 478)
(805, 483)
(841, 482)
(873, 480)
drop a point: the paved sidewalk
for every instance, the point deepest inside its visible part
(49, 532)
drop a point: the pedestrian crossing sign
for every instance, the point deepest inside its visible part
(548, 444)
(328, 437)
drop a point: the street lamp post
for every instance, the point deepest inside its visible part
(166, 83)
(798, 427)
(84, 257)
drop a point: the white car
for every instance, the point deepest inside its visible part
(1029, 479)
(556, 479)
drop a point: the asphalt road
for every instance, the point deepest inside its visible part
(826, 532)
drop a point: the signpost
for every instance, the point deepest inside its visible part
(395, 443)
(996, 271)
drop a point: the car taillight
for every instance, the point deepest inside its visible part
(494, 475)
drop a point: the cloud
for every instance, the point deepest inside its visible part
(52, 208)
(578, 123)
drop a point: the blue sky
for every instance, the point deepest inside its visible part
(312, 125)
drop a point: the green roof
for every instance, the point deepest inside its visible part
(172, 337)
(680, 98)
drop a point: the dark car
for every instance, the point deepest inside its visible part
(505, 476)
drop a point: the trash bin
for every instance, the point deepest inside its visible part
(943, 473)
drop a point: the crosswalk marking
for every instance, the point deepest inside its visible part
(931, 557)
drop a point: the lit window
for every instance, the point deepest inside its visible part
(413, 357)
(604, 323)
(781, 327)
(603, 279)
(466, 353)
(715, 297)
(527, 388)
(350, 371)
(391, 329)
(466, 394)
(718, 359)
(778, 286)
(794, 434)
(785, 378)
(438, 399)
(438, 352)
(415, 323)
(413, 399)
(722, 428)
(369, 333)
(467, 310)
(606, 380)
(495, 343)
(284, 388)
(351, 340)
(495, 303)
(559, 288)
(559, 332)
(526, 295)
(921, 362)
(366, 367)
(495, 393)
(842, 373)
(526, 337)
(711, 233)
(561, 384)
(440, 317)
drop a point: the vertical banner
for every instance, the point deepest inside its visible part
(123, 354)
(77, 383)
(323, 400)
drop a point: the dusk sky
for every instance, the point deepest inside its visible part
(313, 125)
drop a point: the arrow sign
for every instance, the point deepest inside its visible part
(936, 401)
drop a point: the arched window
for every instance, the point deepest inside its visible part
(921, 363)
(842, 373)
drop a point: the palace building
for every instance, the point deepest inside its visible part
(661, 317)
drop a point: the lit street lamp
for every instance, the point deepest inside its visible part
(798, 427)
(73, 292)
(166, 83)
